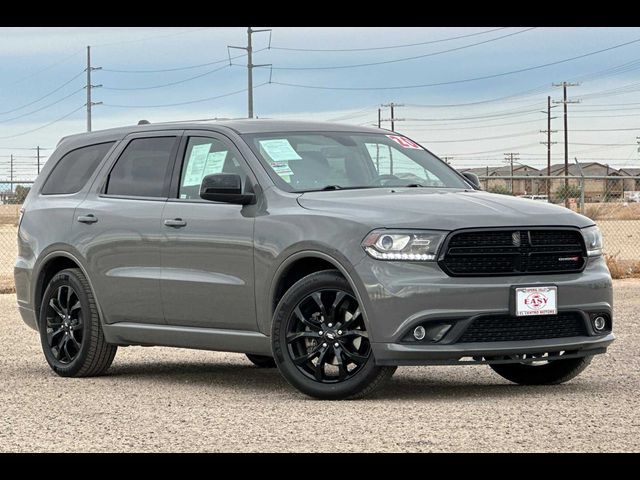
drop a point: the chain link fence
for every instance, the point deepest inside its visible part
(9, 215)
(613, 202)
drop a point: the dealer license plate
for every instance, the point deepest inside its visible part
(536, 301)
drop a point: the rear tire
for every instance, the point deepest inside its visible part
(70, 332)
(320, 342)
(261, 361)
(552, 373)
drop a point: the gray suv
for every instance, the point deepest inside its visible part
(335, 253)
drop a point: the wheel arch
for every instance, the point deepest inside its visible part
(298, 266)
(52, 263)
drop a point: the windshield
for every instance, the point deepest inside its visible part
(308, 161)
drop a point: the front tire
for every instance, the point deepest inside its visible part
(70, 332)
(320, 341)
(550, 373)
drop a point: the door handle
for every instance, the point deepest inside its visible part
(90, 218)
(175, 222)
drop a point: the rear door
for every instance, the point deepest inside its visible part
(207, 256)
(118, 227)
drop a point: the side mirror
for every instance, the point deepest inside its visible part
(225, 187)
(473, 180)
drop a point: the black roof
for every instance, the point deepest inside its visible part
(240, 126)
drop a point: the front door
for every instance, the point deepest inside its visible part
(207, 253)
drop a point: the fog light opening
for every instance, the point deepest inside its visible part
(419, 333)
(599, 323)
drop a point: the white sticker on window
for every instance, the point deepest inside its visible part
(196, 164)
(282, 169)
(215, 162)
(279, 150)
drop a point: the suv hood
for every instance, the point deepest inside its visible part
(439, 209)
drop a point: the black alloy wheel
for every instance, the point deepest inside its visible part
(65, 324)
(321, 341)
(326, 336)
(71, 332)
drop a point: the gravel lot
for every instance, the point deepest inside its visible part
(161, 399)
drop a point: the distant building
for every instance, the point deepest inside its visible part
(597, 189)
(499, 177)
(631, 185)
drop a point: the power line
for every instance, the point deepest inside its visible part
(415, 57)
(45, 125)
(44, 69)
(451, 82)
(44, 107)
(185, 80)
(184, 103)
(152, 37)
(386, 47)
(463, 127)
(24, 148)
(356, 114)
(523, 134)
(605, 129)
(508, 113)
(492, 151)
(189, 67)
(44, 96)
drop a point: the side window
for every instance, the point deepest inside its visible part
(74, 169)
(206, 156)
(142, 169)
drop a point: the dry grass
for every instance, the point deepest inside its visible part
(612, 211)
(620, 268)
(9, 214)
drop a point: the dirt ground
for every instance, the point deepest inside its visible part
(164, 399)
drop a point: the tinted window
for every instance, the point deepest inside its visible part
(206, 156)
(141, 170)
(74, 169)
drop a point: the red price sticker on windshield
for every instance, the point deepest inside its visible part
(404, 142)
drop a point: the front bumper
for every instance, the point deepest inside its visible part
(397, 296)
(487, 352)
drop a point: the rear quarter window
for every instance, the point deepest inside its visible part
(73, 170)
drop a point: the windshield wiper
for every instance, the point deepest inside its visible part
(330, 187)
(413, 185)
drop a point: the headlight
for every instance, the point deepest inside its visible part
(593, 240)
(417, 246)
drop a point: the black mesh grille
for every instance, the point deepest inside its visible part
(505, 328)
(504, 252)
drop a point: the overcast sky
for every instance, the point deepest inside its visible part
(38, 66)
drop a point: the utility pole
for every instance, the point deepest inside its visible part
(564, 101)
(509, 157)
(393, 119)
(447, 160)
(250, 66)
(380, 119)
(548, 143)
(89, 87)
(11, 174)
(38, 157)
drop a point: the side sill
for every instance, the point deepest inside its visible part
(128, 333)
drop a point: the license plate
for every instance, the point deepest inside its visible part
(536, 301)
